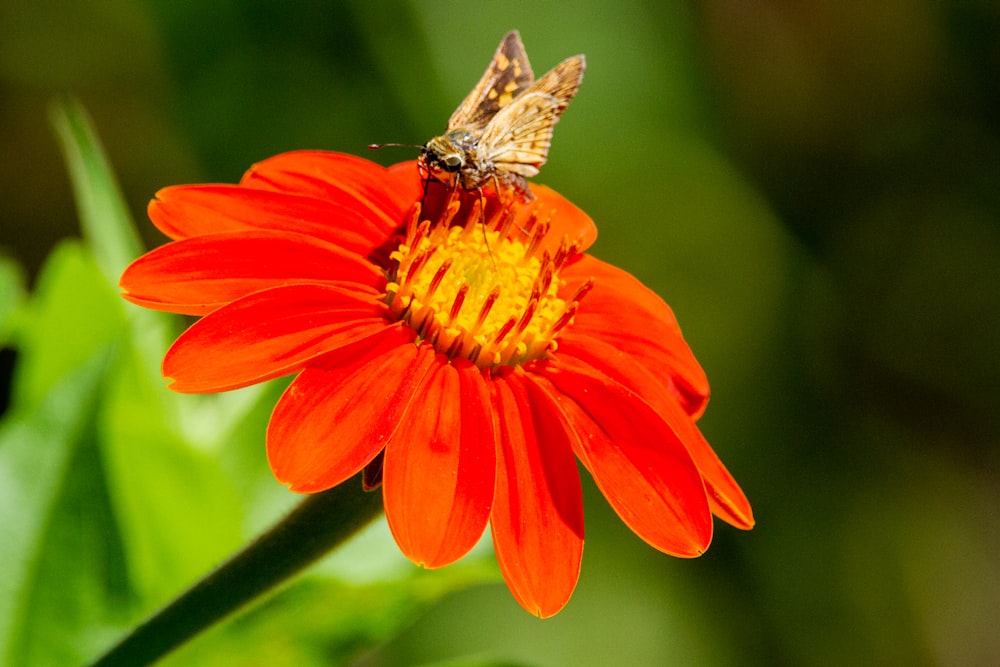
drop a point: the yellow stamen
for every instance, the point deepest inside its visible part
(466, 286)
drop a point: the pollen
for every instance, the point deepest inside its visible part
(476, 285)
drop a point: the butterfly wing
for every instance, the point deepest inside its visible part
(518, 137)
(562, 81)
(508, 75)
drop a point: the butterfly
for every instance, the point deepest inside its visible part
(501, 132)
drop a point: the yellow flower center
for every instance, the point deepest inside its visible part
(477, 290)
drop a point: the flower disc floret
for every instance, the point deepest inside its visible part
(479, 291)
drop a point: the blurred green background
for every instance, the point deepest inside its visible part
(813, 186)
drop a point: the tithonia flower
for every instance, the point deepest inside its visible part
(459, 347)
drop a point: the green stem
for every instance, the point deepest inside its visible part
(320, 523)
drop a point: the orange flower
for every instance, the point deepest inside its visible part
(461, 350)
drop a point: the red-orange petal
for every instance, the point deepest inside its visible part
(332, 176)
(182, 211)
(198, 275)
(404, 179)
(337, 415)
(725, 496)
(269, 334)
(439, 470)
(537, 518)
(641, 466)
(623, 312)
(566, 220)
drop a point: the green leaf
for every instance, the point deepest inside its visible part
(171, 509)
(107, 226)
(80, 592)
(179, 511)
(73, 315)
(158, 477)
(105, 219)
(37, 446)
(12, 295)
(65, 338)
(158, 480)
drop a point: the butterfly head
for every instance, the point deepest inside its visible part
(447, 157)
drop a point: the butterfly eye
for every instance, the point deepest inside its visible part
(452, 162)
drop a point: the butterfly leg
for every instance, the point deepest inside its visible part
(482, 221)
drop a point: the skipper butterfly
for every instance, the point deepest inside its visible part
(501, 132)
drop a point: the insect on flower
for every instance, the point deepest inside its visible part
(502, 131)
(462, 352)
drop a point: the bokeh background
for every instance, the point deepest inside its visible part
(813, 186)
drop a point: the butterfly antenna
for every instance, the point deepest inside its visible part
(376, 147)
